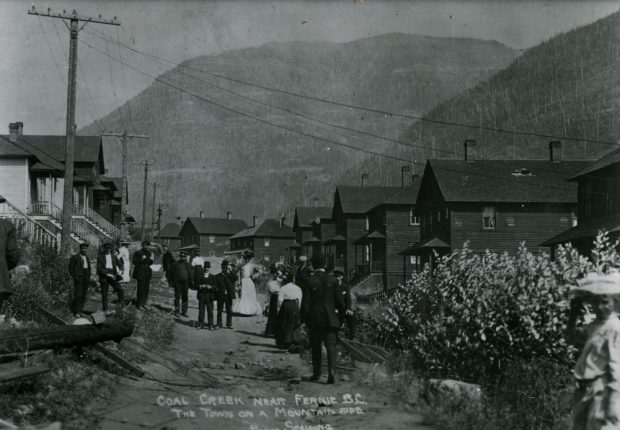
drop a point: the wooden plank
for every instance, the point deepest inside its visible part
(116, 358)
(19, 372)
(175, 366)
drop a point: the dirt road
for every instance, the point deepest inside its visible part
(259, 388)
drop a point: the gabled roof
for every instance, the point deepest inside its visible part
(406, 196)
(115, 182)
(434, 243)
(21, 146)
(268, 228)
(611, 157)
(305, 215)
(171, 229)
(9, 149)
(586, 229)
(367, 237)
(534, 181)
(359, 200)
(221, 226)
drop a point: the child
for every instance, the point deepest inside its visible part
(597, 371)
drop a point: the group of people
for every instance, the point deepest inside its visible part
(308, 295)
(187, 273)
(113, 267)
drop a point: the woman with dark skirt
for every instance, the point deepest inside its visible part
(289, 303)
(273, 286)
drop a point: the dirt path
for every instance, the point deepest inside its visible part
(259, 390)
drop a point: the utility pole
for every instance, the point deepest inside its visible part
(159, 213)
(124, 193)
(153, 211)
(146, 177)
(67, 208)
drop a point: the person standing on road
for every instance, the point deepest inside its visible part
(273, 286)
(79, 269)
(108, 269)
(348, 318)
(225, 282)
(304, 271)
(123, 255)
(142, 273)
(207, 294)
(183, 280)
(289, 303)
(167, 261)
(325, 305)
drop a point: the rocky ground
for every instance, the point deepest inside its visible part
(259, 386)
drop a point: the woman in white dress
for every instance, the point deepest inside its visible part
(248, 302)
(123, 254)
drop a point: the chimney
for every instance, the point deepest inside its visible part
(555, 151)
(254, 221)
(470, 150)
(202, 214)
(315, 202)
(228, 216)
(14, 131)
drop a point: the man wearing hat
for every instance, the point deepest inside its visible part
(597, 371)
(303, 273)
(324, 307)
(207, 294)
(225, 282)
(347, 318)
(9, 256)
(141, 261)
(79, 268)
(182, 279)
(108, 271)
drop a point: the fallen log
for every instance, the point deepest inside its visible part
(19, 372)
(116, 358)
(32, 339)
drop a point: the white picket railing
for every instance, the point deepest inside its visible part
(110, 229)
(82, 232)
(27, 227)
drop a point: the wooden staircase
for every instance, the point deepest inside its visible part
(27, 227)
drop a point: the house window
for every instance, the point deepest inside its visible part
(266, 242)
(438, 216)
(447, 213)
(366, 253)
(367, 223)
(211, 239)
(413, 218)
(510, 221)
(488, 218)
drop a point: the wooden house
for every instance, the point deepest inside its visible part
(494, 204)
(212, 235)
(270, 240)
(170, 235)
(598, 203)
(305, 241)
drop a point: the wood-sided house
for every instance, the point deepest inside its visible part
(494, 204)
(352, 222)
(598, 205)
(271, 241)
(212, 235)
(170, 235)
(305, 241)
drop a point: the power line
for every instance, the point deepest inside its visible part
(388, 113)
(309, 135)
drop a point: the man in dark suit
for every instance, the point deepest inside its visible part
(79, 269)
(325, 306)
(225, 281)
(142, 273)
(207, 295)
(9, 256)
(167, 261)
(304, 271)
(182, 279)
(348, 318)
(108, 270)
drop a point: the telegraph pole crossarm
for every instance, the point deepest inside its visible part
(124, 137)
(67, 209)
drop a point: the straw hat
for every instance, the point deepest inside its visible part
(598, 284)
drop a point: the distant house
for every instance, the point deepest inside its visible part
(352, 222)
(32, 181)
(211, 234)
(393, 226)
(271, 241)
(494, 204)
(170, 235)
(303, 228)
(110, 207)
(598, 203)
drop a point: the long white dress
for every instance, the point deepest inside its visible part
(248, 302)
(123, 253)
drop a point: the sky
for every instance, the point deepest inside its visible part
(34, 73)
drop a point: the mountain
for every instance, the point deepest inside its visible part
(223, 159)
(567, 86)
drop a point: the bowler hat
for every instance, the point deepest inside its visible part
(207, 265)
(338, 273)
(225, 263)
(108, 245)
(84, 245)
